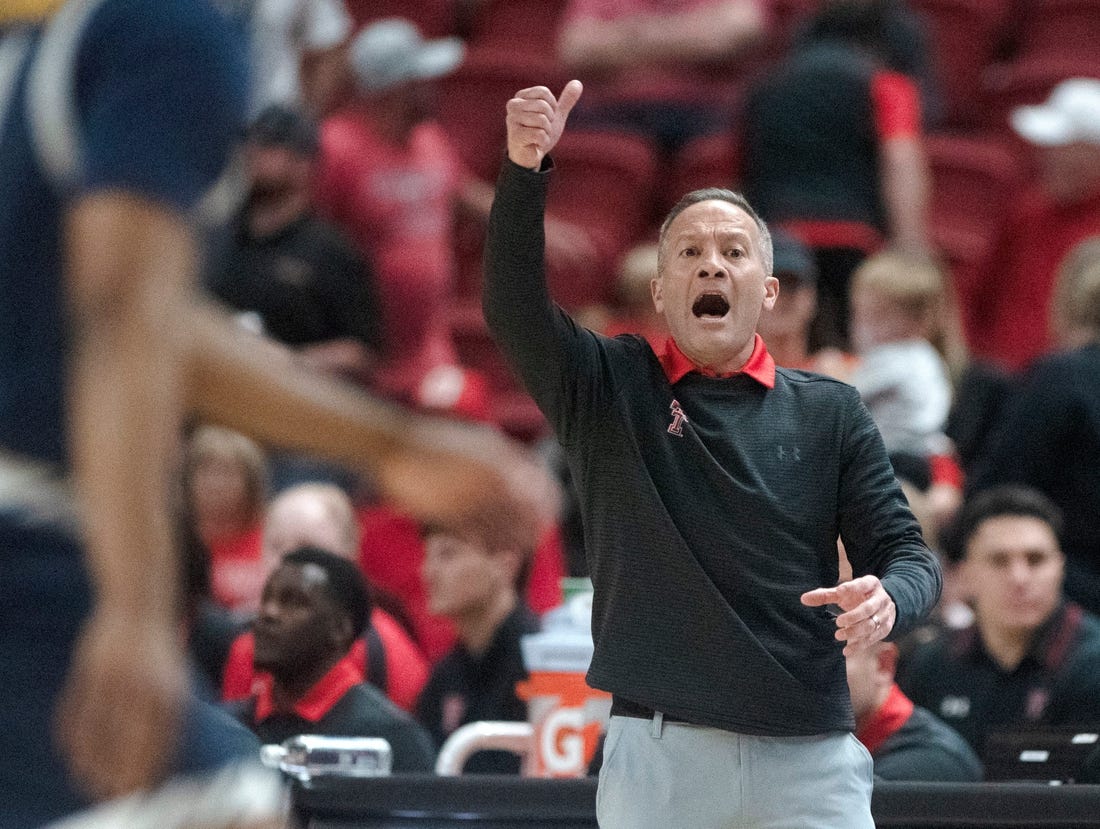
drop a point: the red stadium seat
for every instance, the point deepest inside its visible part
(974, 179)
(966, 37)
(706, 161)
(476, 347)
(472, 100)
(605, 182)
(510, 407)
(1066, 29)
(529, 27)
(787, 17)
(1029, 81)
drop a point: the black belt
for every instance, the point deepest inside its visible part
(621, 707)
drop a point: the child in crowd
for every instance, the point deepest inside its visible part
(898, 313)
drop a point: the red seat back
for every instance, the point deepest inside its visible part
(473, 98)
(966, 37)
(605, 182)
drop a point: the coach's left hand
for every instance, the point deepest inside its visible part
(869, 612)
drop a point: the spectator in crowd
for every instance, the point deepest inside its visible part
(906, 741)
(392, 179)
(898, 308)
(667, 71)
(1007, 308)
(1031, 657)
(785, 327)
(681, 458)
(888, 30)
(479, 588)
(314, 606)
(291, 273)
(391, 555)
(832, 150)
(210, 627)
(321, 515)
(103, 349)
(1048, 436)
(225, 487)
(298, 53)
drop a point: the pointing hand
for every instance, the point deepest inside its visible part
(869, 612)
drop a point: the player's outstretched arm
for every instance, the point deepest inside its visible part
(439, 470)
(127, 266)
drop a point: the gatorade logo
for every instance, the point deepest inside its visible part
(566, 742)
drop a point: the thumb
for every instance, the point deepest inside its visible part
(569, 97)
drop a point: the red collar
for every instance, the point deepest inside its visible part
(891, 716)
(319, 699)
(760, 366)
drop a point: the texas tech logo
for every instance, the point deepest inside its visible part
(676, 427)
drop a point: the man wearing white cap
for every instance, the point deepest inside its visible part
(1007, 310)
(391, 177)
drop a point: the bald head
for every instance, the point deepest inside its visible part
(311, 515)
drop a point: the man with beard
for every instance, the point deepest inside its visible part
(293, 274)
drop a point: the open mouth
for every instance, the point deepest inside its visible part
(714, 306)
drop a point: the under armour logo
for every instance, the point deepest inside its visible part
(788, 453)
(676, 427)
(954, 708)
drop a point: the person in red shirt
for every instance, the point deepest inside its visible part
(391, 178)
(225, 482)
(1006, 309)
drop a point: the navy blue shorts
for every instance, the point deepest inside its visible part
(44, 598)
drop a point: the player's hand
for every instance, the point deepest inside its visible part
(119, 714)
(869, 612)
(535, 120)
(471, 479)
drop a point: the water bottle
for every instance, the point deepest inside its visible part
(310, 755)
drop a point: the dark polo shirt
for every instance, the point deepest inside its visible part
(1057, 683)
(910, 743)
(307, 283)
(341, 704)
(465, 687)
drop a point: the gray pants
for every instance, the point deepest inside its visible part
(676, 776)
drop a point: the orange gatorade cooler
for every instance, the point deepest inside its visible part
(566, 715)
